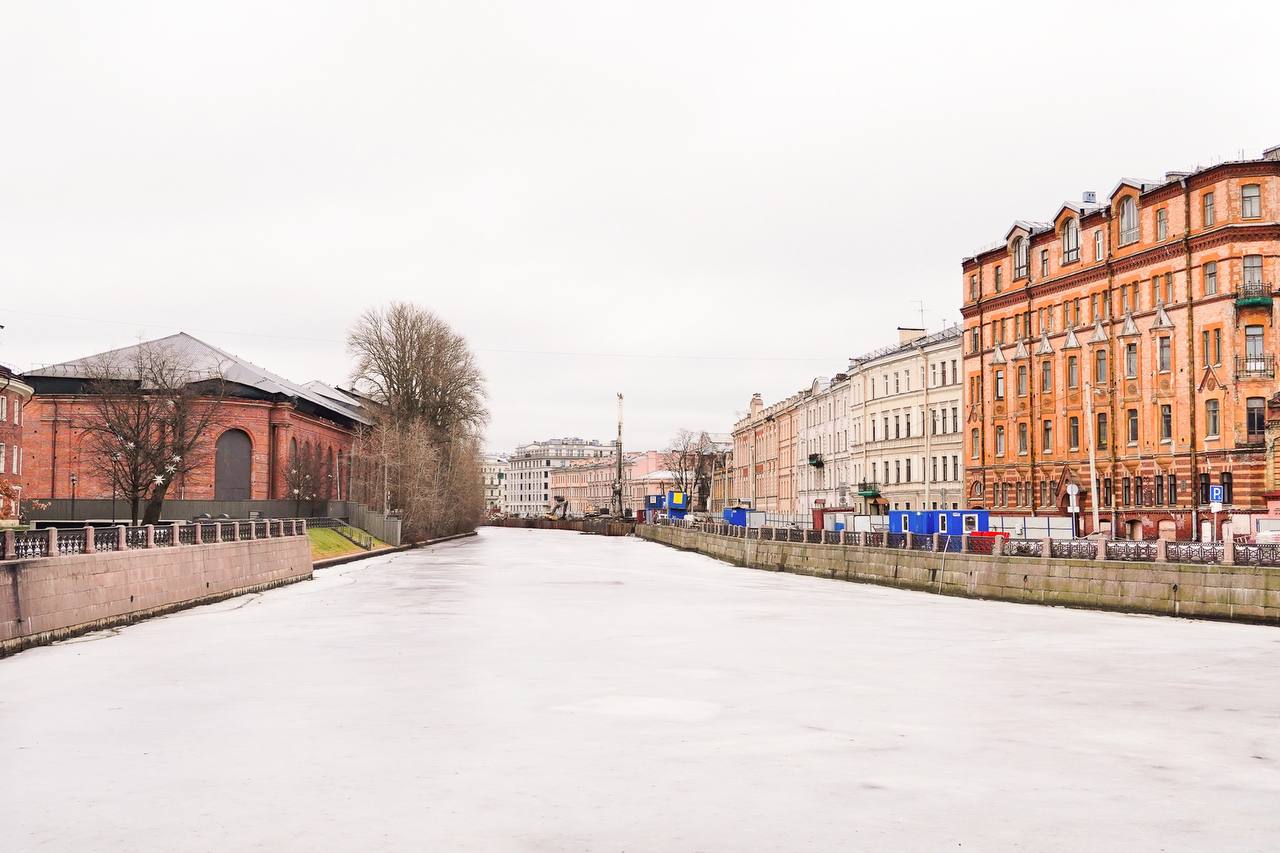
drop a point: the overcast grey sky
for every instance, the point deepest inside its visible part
(685, 202)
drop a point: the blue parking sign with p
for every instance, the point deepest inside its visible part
(1215, 494)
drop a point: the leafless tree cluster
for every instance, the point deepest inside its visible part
(422, 456)
(307, 478)
(151, 412)
(690, 458)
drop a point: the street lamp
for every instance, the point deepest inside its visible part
(75, 478)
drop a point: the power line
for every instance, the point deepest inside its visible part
(496, 350)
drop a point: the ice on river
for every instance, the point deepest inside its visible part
(545, 691)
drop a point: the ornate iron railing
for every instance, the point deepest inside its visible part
(1074, 549)
(71, 541)
(831, 537)
(32, 543)
(895, 540)
(260, 530)
(980, 544)
(135, 537)
(162, 535)
(950, 543)
(1135, 551)
(1024, 548)
(922, 542)
(187, 534)
(1194, 552)
(245, 528)
(106, 538)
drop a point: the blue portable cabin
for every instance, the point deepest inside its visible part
(736, 515)
(655, 502)
(677, 504)
(948, 521)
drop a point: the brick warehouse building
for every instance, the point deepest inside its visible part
(1141, 327)
(265, 421)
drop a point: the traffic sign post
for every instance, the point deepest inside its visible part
(1215, 507)
(1216, 495)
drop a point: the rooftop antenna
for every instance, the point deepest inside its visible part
(920, 302)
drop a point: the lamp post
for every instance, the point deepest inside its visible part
(75, 478)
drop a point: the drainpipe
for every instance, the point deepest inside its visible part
(1191, 359)
(1033, 414)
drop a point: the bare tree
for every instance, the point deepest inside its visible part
(305, 478)
(150, 415)
(689, 458)
(422, 456)
(412, 362)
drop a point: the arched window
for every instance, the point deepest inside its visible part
(232, 467)
(1071, 241)
(1021, 256)
(332, 472)
(1128, 221)
(293, 451)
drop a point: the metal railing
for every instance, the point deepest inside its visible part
(1256, 366)
(1195, 552)
(1024, 548)
(68, 541)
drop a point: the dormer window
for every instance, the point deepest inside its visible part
(1071, 242)
(1020, 258)
(1128, 221)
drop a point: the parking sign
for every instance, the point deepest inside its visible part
(1215, 494)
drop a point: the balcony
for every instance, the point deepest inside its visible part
(815, 459)
(1255, 367)
(1254, 294)
(868, 490)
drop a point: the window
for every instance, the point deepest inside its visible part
(1022, 380)
(1046, 436)
(907, 425)
(908, 470)
(999, 279)
(1097, 244)
(1255, 418)
(1046, 376)
(1172, 490)
(17, 411)
(897, 471)
(975, 342)
(1044, 263)
(933, 467)
(1164, 354)
(1071, 242)
(1108, 493)
(1022, 439)
(1228, 487)
(1073, 433)
(1126, 485)
(999, 441)
(974, 443)
(17, 459)
(2, 457)
(1255, 360)
(1217, 346)
(1211, 418)
(955, 376)
(4, 408)
(1208, 209)
(1101, 438)
(1162, 223)
(973, 288)
(1139, 486)
(1100, 367)
(1166, 422)
(1073, 372)
(955, 467)
(1250, 201)
(1128, 221)
(1132, 417)
(1210, 278)
(1253, 271)
(999, 384)
(1020, 251)
(1131, 361)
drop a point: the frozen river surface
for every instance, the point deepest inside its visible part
(545, 691)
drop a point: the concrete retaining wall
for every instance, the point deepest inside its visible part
(598, 526)
(52, 598)
(1245, 593)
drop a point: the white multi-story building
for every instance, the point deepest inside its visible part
(886, 433)
(493, 471)
(528, 482)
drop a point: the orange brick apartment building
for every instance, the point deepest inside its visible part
(1141, 326)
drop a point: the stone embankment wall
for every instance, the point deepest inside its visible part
(42, 600)
(1245, 593)
(599, 526)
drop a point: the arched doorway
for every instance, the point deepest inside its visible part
(232, 468)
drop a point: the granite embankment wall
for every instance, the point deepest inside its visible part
(47, 599)
(597, 526)
(1243, 593)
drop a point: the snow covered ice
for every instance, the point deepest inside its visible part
(545, 691)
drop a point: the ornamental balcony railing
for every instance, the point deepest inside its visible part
(815, 459)
(1255, 367)
(1253, 294)
(869, 489)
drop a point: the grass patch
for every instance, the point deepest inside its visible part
(327, 543)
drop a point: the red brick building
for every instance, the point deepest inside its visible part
(265, 421)
(14, 400)
(1138, 329)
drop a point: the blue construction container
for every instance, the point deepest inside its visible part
(949, 521)
(652, 502)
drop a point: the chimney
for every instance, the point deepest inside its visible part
(1089, 197)
(908, 334)
(1170, 177)
(757, 404)
(1272, 153)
